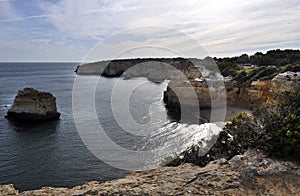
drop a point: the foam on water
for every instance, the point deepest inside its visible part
(174, 138)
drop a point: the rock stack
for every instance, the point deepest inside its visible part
(33, 105)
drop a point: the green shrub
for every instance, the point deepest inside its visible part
(243, 130)
(268, 65)
(280, 124)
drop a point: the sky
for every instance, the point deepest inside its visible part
(68, 30)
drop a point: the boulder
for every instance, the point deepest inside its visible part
(8, 189)
(33, 105)
(287, 76)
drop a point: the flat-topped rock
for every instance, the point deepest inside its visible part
(155, 69)
(33, 105)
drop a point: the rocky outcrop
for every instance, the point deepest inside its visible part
(248, 95)
(33, 105)
(155, 69)
(8, 189)
(190, 76)
(249, 174)
(283, 81)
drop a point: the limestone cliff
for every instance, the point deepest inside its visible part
(249, 95)
(151, 68)
(33, 105)
(249, 174)
(190, 76)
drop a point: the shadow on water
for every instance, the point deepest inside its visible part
(202, 115)
(191, 117)
(33, 126)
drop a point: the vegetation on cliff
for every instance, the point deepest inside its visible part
(280, 125)
(273, 128)
(259, 66)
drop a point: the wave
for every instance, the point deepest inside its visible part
(174, 138)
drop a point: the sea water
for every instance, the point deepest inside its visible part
(54, 154)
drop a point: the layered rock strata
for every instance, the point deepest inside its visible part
(248, 95)
(151, 68)
(33, 105)
(195, 76)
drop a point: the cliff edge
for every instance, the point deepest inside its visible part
(249, 174)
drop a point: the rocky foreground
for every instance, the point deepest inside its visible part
(249, 174)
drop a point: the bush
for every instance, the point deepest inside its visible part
(280, 125)
(243, 130)
(261, 73)
(283, 60)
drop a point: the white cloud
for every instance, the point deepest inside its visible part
(92, 18)
(223, 27)
(17, 18)
(156, 42)
(6, 10)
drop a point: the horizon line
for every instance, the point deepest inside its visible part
(151, 57)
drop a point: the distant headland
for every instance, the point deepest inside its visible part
(249, 81)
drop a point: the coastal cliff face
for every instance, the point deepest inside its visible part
(249, 174)
(249, 95)
(190, 76)
(33, 105)
(160, 69)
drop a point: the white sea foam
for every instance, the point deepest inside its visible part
(174, 138)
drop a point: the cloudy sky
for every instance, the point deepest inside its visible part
(67, 30)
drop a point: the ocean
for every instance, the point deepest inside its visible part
(131, 113)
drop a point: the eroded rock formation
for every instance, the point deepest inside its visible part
(190, 76)
(151, 68)
(248, 95)
(33, 105)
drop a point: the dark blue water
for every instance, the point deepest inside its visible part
(50, 154)
(57, 154)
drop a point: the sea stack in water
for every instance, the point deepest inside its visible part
(33, 105)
